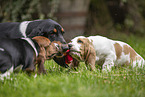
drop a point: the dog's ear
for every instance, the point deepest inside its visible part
(36, 32)
(42, 41)
(91, 59)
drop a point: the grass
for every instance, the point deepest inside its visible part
(59, 82)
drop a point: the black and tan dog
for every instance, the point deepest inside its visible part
(47, 28)
(26, 53)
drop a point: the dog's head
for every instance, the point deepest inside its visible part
(50, 29)
(55, 48)
(50, 49)
(82, 48)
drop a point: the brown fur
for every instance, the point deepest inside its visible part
(118, 50)
(42, 41)
(47, 48)
(88, 54)
(127, 50)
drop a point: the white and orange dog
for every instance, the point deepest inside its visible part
(101, 49)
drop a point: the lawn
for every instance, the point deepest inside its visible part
(59, 82)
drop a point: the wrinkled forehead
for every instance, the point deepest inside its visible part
(76, 39)
(57, 42)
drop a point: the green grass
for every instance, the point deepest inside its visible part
(121, 82)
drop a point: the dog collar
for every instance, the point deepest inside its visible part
(23, 27)
(32, 45)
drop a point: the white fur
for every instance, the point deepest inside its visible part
(1, 49)
(7, 74)
(105, 51)
(76, 46)
(23, 27)
(56, 45)
(32, 45)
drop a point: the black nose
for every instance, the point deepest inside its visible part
(69, 45)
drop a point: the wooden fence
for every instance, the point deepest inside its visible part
(72, 15)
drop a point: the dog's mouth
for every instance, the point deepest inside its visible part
(59, 55)
(76, 54)
(52, 56)
(55, 55)
(74, 51)
(68, 57)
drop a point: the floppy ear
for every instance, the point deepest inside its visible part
(42, 41)
(36, 32)
(91, 58)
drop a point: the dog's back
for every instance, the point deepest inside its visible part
(8, 29)
(127, 55)
(124, 53)
(18, 51)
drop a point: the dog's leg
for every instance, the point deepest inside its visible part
(7, 74)
(139, 62)
(109, 62)
(41, 68)
(107, 65)
(90, 61)
(91, 65)
(74, 64)
(6, 67)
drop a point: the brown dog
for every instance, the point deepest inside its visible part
(86, 54)
(48, 50)
(25, 53)
(107, 53)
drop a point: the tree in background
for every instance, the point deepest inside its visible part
(116, 15)
(20, 10)
(104, 16)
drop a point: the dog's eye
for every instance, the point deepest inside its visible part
(79, 41)
(54, 30)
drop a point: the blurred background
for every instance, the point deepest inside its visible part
(81, 17)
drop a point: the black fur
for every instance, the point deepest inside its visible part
(35, 28)
(15, 52)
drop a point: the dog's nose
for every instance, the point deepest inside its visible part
(69, 45)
